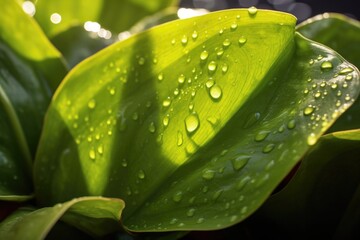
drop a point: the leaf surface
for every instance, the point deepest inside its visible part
(193, 128)
(30, 68)
(29, 223)
(342, 34)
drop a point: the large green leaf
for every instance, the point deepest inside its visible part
(342, 34)
(324, 188)
(192, 123)
(113, 15)
(30, 68)
(29, 223)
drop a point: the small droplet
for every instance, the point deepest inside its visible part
(226, 43)
(141, 174)
(152, 127)
(220, 52)
(224, 68)
(291, 124)
(268, 148)
(241, 184)
(261, 136)
(135, 116)
(348, 77)
(192, 123)
(124, 162)
(177, 196)
(92, 154)
(112, 91)
(311, 140)
(92, 104)
(311, 62)
(208, 174)
(252, 119)
(233, 26)
(317, 94)
(326, 65)
(166, 120)
(166, 102)
(194, 35)
(212, 66)
(160, 76)
(173, 221)
(309, 110)
(190, 212)
(347, 97)
(217, 194)
(240, 162)
(233, 218)
(173, 41)
(200, 220)
(100, 149)
(141, 61)
(204, 55)
(184, 40)
(242, 40)
(252, 10)
(215, 92)
(179, 138)
(181, 78)
(191, 107)
(213, 121)
(270, 165)
(209, 83)
(334, 85)
(346, 70)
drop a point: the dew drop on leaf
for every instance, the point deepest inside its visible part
(92, 154)
(212, 66)
(92, 104)
(190, 212)
(326, 65)
(192, 123)
(346, 70)
(204, 55)
(311, 140)
(141, 174)
(261, 136)
(166, 103)
(179, 138)
(152, 128)
(160, 77)
(208, 174)
(268, 148)
(177, 197)
(166, 120)
(239, 162)
(124, 162)
(309, 110)
(348, 77)
(181, 78)
(215, 92)
(226, 43)
(291, 124)
(252, 10)
(233, 26)
(184, 40)
(242, 40)
(194, 35)
(209, 83)
(224, 68)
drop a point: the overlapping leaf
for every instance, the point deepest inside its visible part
(30, 68)
(192, 123)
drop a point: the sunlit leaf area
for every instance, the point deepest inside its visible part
(168, 119)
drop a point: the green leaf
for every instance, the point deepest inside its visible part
(342, 34)
(323, 189)
(30, 67)
(114, 15)
(193, 128)
(29, 223)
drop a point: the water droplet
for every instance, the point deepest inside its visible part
(179, 138)
(181, 78)
(204, 55)
(166, 102)
(224, 68)
(166, 120)
(190, 212)
(252, 10)
(220, 52)
(215, 92)
(209, 83)
(212, 66)
(233, 218)
(311, 140)
(323, 84)
(347, 97)
(317, 94)
(242, 40)
(152, 127)
(217, 194)
(160, 76)
(191, 107)
(200, 220)
(194, 35)
(239, 162)
(268, 148)
(184, 40)
(124, 162)
(311, 62)
(92, 154)
(213, 121)
(92, 104)
(309, 110)
(346, 70)
(226, 43)
(177, 197)
(334, 85)
(291, 124)
(348, 77)
(345, 85)
(141, 174)
(260, 136)
(135, 116)
(221, 31)
(192, 123)
(326, 65)
(270, 165)
(244, 210)
(100, 149)
(173, 221)
(141, 61)
(241, 184)
(112, 91)
(208, 174)
(252, 119)
(233, 26)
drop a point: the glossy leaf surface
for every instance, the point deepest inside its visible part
(342, 34)
(193, 128)
(117, 16)
(29, 223)
(323, 193)
(30, 67)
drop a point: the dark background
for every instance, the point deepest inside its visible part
(301, 9)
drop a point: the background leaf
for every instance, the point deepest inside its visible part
(342, 34)
(316, 200)
(30, 68)
(224, 111)
(29, 223)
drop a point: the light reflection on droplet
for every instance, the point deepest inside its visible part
(55, 18)
(29, 8)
